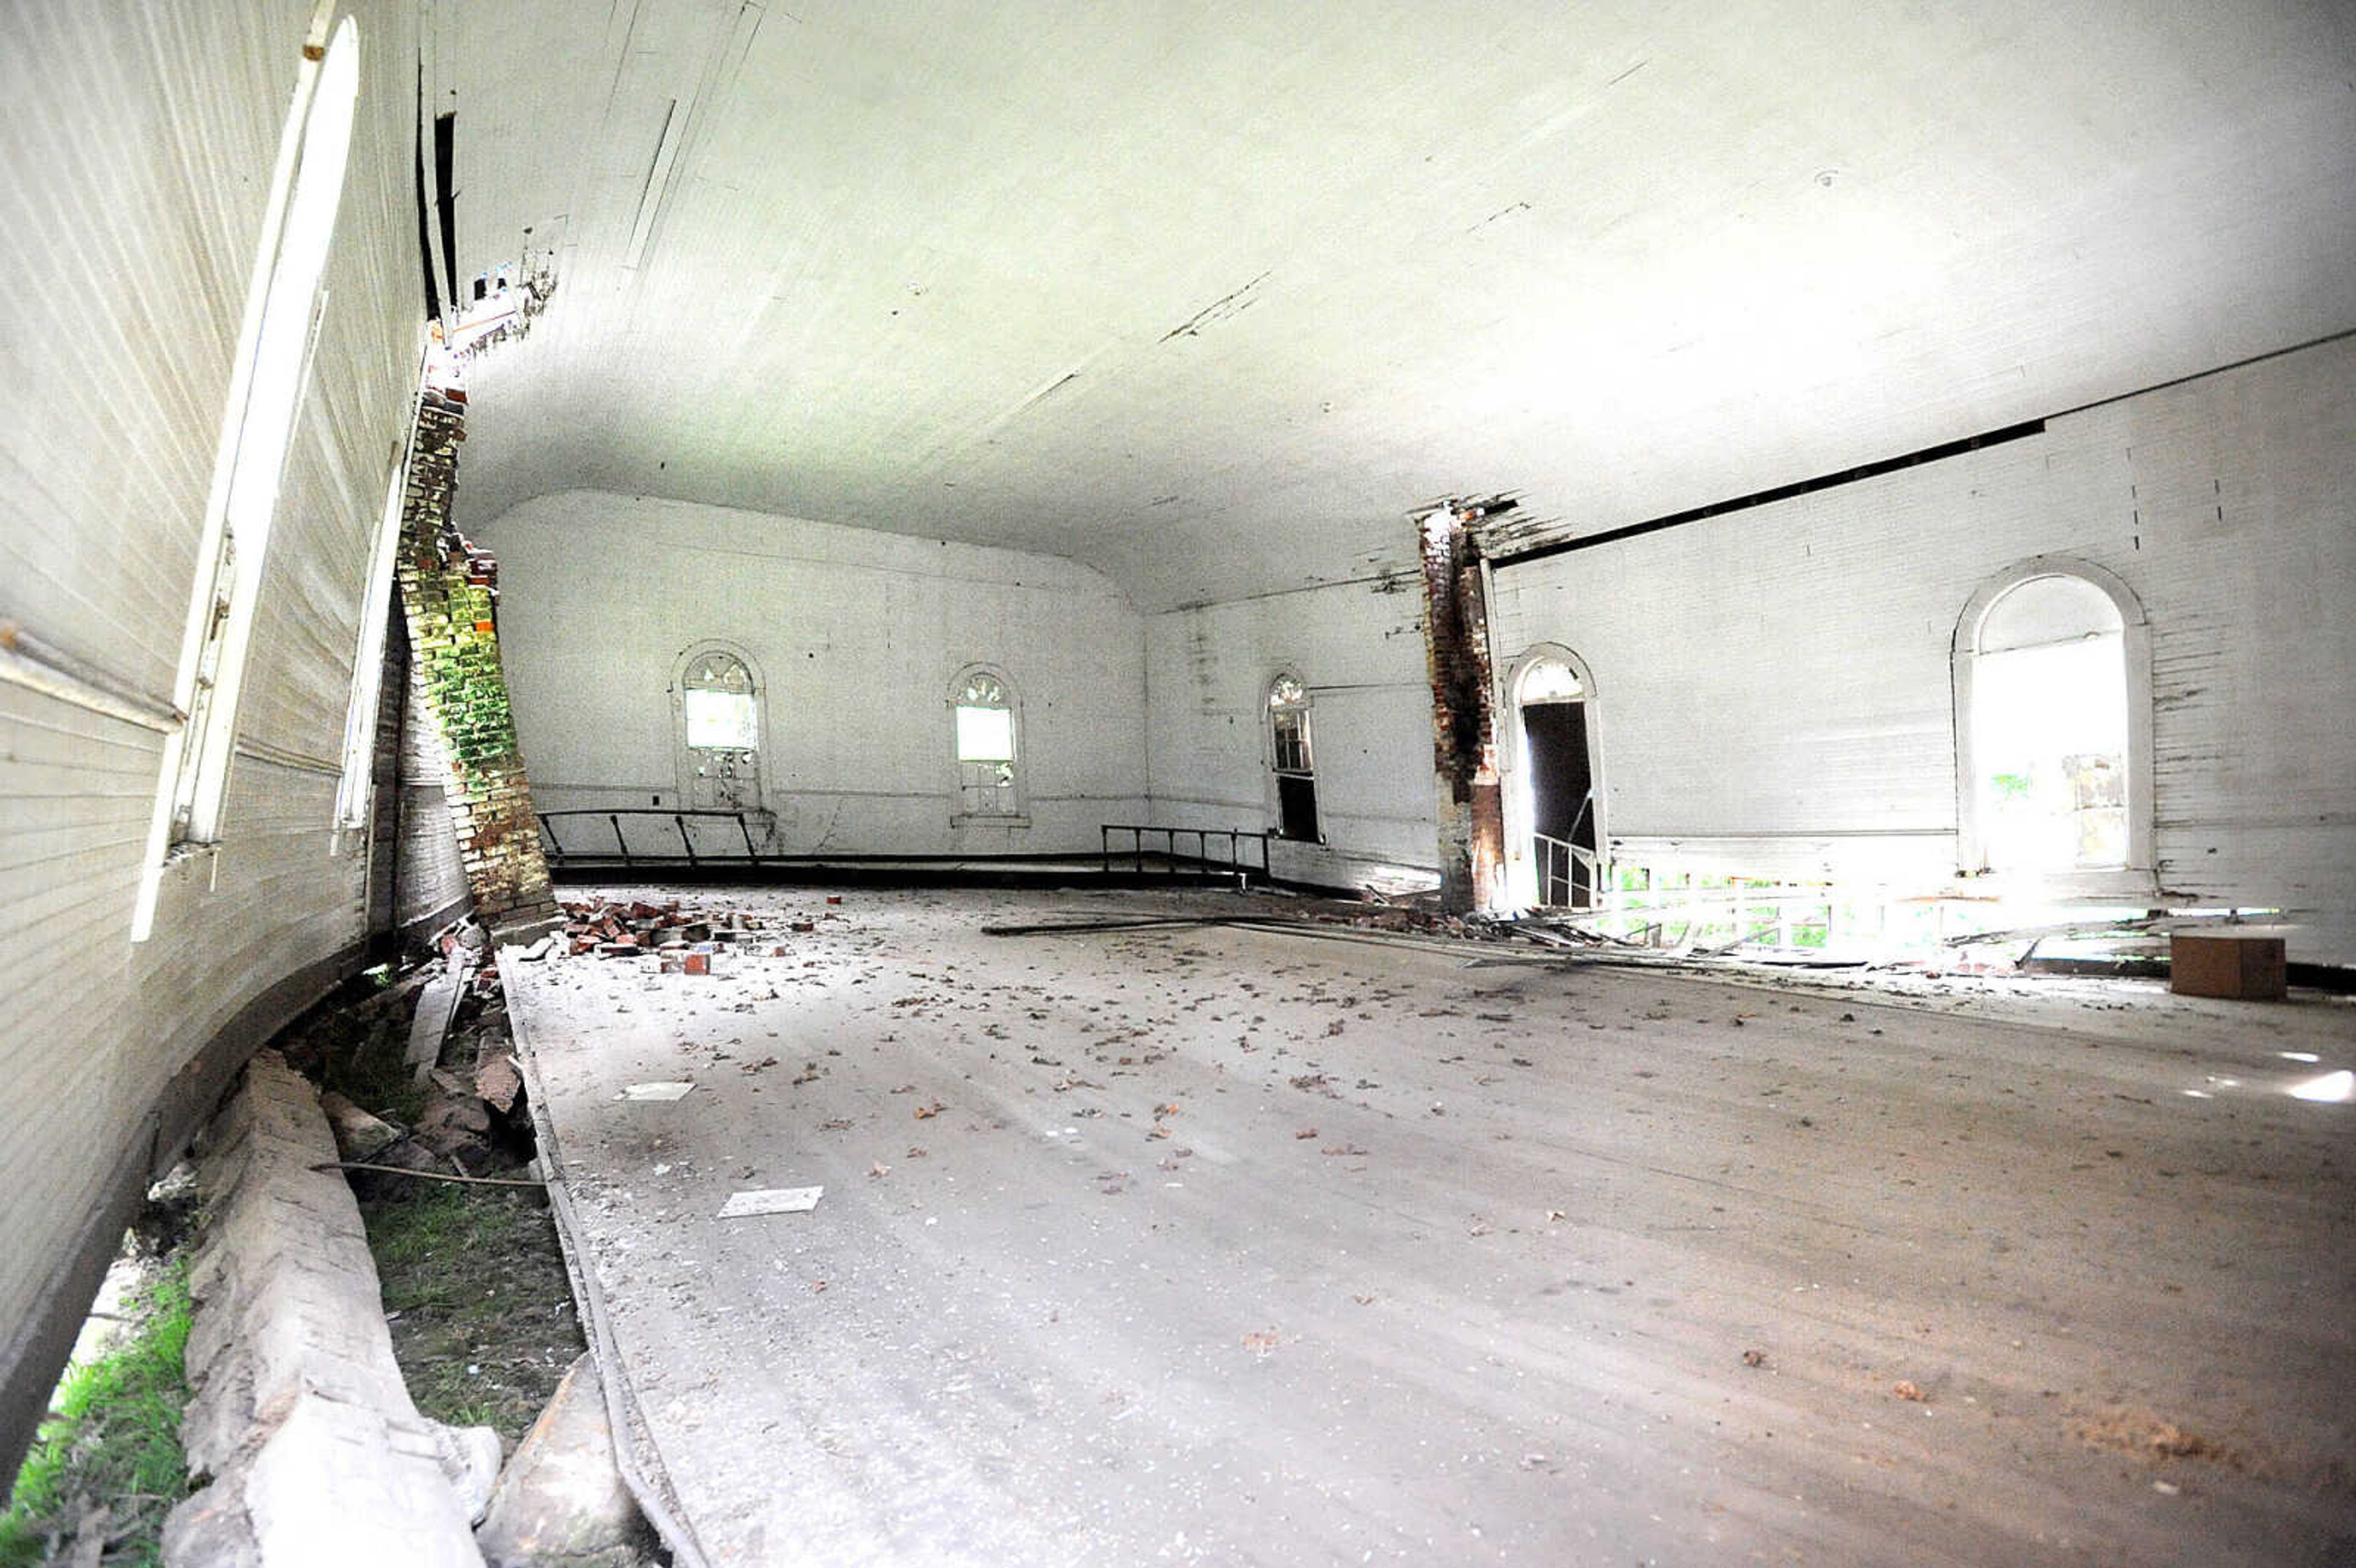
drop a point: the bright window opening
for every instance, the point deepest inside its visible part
(985, 735)
(2050, 729)
(265, 425)
(983, 712)
(723, 719)
(720, 731)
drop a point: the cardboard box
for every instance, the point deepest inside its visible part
(2237, 966)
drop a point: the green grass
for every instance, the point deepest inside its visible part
(481, 1306)
(112, 1438)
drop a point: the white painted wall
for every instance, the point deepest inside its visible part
(1773, 685)
(1359, 649)
(855, 635)
(142, 143)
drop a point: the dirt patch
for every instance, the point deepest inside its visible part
(2142, 1435)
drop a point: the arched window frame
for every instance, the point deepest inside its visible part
(1011, 807)
(287, 297)
(1285, 693)
(355, 796)
(2136, 876)
(1519, 805)
(694, 654)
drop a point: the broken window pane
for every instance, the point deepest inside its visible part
(985, 735)
(720, 672)
(984, 714)
(723, 719)
(1551, 680)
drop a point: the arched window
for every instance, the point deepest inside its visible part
(354, 796)
(719, 717)
(984, 724)
(2053, 713)
(284, 310)
(1290, 762)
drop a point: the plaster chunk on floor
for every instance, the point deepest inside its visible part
(561, 1502)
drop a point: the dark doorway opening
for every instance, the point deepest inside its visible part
(1562, 801)
(1296, 807)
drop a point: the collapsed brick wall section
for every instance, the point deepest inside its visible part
(1463, 734)
(384, 784)
(430, 886)
(448, 595)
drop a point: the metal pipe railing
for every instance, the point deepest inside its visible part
(1172, 860)
(559, 853)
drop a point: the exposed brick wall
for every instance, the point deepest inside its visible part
(384, 785)
(448, 594)
(1463, 738)
(430, 884)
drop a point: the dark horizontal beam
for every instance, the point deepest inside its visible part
(1510, 556)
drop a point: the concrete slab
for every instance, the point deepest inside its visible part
(1222, 1246)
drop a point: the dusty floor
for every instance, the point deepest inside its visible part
(1221, 1246)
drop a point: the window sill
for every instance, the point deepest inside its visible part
(189, 852)
(988, 819)
(2115, 884)
(189, 868)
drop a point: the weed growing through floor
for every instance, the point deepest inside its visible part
(480, 1306)
(113, 1441)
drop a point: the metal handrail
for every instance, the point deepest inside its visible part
(1550, 853)
(1235, 839)
(558, 854)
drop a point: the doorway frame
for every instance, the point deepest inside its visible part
(1519, 802)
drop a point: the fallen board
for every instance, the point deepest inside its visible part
(430, 1025)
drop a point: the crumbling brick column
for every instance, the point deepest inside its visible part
(1464, 736)
(449, 596)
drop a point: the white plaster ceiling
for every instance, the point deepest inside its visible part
(1210, 295)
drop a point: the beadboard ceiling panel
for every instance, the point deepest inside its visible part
(1210, 295)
